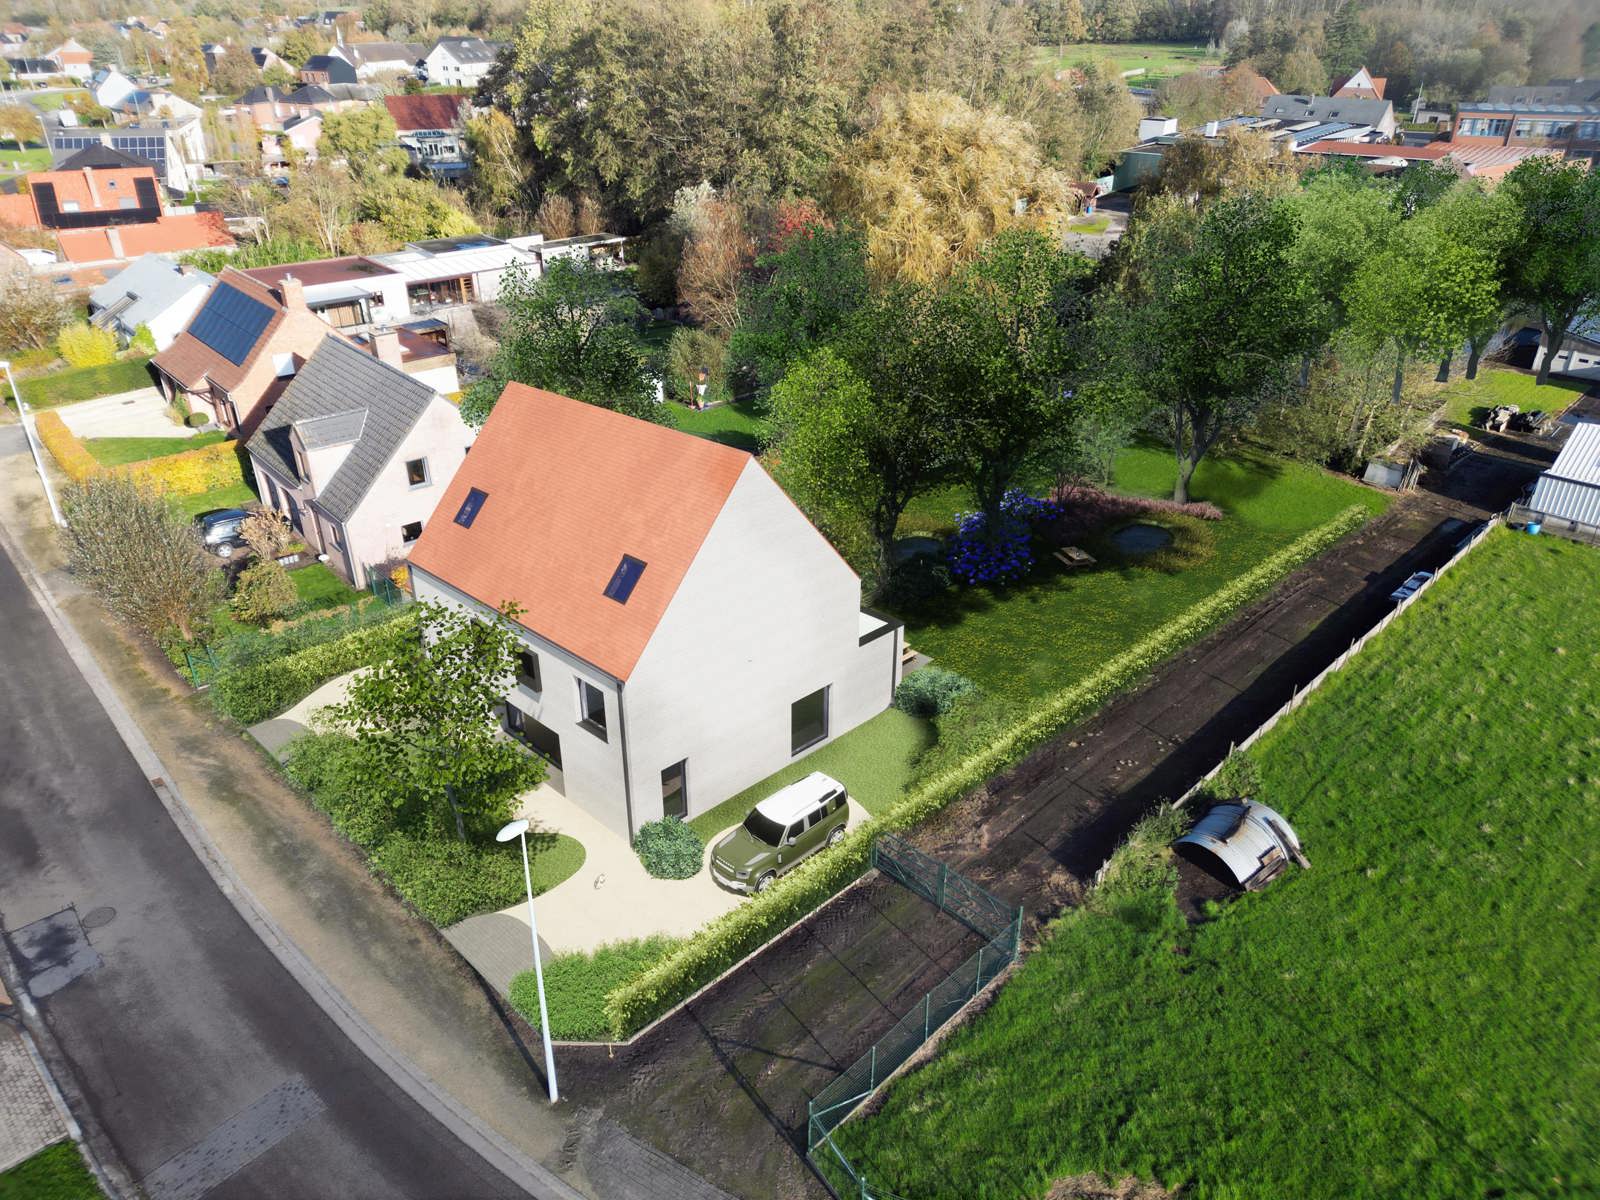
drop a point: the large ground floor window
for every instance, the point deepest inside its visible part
(808, 721)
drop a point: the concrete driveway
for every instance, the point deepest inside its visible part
(141, 413)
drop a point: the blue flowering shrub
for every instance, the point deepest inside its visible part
(976, 557)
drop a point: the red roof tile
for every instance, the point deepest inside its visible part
(572, 488)
(432, 111)
(167, 235)
(1428, 153)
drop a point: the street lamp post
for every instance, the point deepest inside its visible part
(519, 829)
(33, 444)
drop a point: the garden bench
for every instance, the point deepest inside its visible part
(1071, 556)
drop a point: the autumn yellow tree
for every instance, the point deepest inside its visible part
(933, 178)
(1201, 169)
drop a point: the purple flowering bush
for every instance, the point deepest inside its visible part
(977, 557)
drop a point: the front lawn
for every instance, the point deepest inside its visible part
(873, 761)
(1413, 1016)
(733, 424)
(68, 385)
(1467, 402)
(239, 495)
(1029, 640)
(115, 451)
(318, 587)
(55, 1173)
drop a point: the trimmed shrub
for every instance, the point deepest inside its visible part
(247, 647)
(83, 345)
(85, 383)
(916, 581)
(448, 881)
(737, 933)
(254, 693)
(71, 455)
(576, 986)
(208, 469)
(669, 848)
(196, 419)
(340, 776)
(264, 591)
(931, 691)
(689, 350)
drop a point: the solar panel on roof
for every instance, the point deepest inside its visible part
(230, 323)
(624, 578)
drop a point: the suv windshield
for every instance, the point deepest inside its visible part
(764, 828)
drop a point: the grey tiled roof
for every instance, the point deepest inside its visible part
(1327, 108)
(340, 384)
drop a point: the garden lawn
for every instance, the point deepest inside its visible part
(67, 385)
(318, 587)
(115, 451)
(1467, 402)
(873, 761)
(14, 161)
(55, 1173)
(733, 424)
(1414, 1016)
(1033, 638)
(1160, 60)
(1098, 223)
(239, 495)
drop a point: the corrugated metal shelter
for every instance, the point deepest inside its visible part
(1570, 489)
(1251, 841)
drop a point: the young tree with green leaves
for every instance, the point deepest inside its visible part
(1553, 259)
(572, 331)
(365, 138)
(1212, 315)
(1471, 215)
(428, 716)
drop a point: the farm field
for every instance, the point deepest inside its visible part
(1159, 60)
(1413, 1016)
(1029, 639)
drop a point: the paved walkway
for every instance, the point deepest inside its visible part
(29, 1119)
(749, 1053)
(141, 413)
(277, 732)
(612, 898)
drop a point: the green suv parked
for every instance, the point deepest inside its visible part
(783, 830)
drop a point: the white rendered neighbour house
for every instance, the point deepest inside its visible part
(356, 454)
(687, 630)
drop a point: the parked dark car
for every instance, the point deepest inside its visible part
(221, 532)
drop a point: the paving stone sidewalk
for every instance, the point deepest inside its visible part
(29, 1119)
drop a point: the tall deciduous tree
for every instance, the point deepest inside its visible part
(235, 73)
(365, 138)
(428, 714)
(1015, 312)
(572, 331)
(798, 298)
(715, 258)
(31, 311)
(1212, 318)
(499, 174)
(1343, 219)
(126, 544)
(20, 124)
(934, 178)
(1554, 255)
(1201, 169)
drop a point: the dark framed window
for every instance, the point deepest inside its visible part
(808, 721)
(624, 578)
(468, 512)
(528, 671)
(675, 790)
(417, 472)
(592, 708)
(410, 532)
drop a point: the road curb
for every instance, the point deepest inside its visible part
(520, 1169)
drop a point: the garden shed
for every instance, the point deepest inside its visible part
(1569, 492)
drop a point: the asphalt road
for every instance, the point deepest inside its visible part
(204, 1062)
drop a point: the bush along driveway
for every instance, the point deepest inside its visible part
(749, 1052)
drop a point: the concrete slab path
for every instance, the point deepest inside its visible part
(141, 413)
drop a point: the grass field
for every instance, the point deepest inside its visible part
(1098, 223)
(733, 424)
(1467, 402)
(873, 761)
(318, 587)
(237, 496)
(1159, 60)
(31, 158)
(1414, 1016)
(55, 1173)
(114, 451)
(1028, 640)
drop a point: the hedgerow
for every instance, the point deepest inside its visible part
(738, 933)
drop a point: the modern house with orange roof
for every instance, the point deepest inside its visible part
(686, 630)
(75, 60)
(240, 350)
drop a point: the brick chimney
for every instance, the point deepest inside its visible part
(292, 291)
(386, 347)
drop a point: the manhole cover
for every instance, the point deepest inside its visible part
(97, 917)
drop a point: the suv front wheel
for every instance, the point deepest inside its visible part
(225, 549)
(836, 836)
(763, 883)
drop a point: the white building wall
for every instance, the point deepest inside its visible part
(1577, 360)
(373, 531)
(591, 773)
(767, 614)
(166, 327)
(443, 380)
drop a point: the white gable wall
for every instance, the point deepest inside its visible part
(166, 326)
(767, 613)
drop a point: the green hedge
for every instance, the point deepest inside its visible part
(740, 932)
(72, 384)
(254, 693)
(448, 881)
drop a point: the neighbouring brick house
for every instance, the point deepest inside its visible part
(430, 128)
(686, 630)
(240, 350)
(356, 453)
